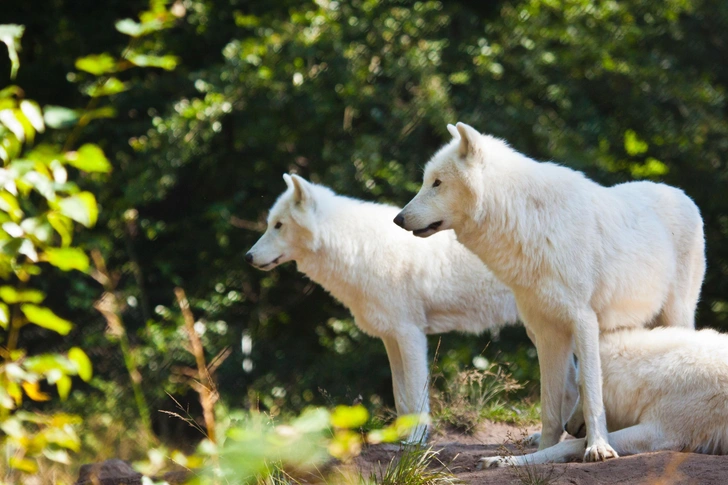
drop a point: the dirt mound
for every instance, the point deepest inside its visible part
(462, 453)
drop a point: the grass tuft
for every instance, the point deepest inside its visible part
(416, 465)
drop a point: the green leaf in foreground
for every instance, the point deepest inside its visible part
(349, 416)
(67, 259)
(11, 295)
(44, 317)
(79, 357)
(89, 158)
(97, 64)
(81, 208)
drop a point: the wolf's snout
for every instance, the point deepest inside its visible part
(399, 220)
(249, 258)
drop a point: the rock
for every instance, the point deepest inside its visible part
(109, 472)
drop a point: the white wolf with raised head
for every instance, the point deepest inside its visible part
(579, 257)
(397, 287)
(664, 389)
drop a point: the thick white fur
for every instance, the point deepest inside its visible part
(578, 256)
(664, 389)
(397, 287)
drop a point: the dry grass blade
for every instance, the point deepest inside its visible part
(416, 465)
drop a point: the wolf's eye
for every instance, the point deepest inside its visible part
(436, 183)
(278, 225)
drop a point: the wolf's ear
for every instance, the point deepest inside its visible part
(469, 137)
(453, 131)
(301, 190)
(288, 180)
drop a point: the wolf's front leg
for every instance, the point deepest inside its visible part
(412, 344)
(586, 339)
(554, 358)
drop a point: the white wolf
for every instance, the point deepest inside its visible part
(664, 389)
(397, 287)
(578, 256)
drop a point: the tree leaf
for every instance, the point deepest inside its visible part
(23, 464)
(64, 387)
(81, 208)
(11, 295)
(59, 456)
(32, 111)
(134, 29)
(83, 363)
(167, 62)
(89, 158)
(4, 316)
(59, 117)
(10, 35)
(44, 317)
(8, 117)
(32, 390)
(67, 259)
(111, 86)
(97, 64)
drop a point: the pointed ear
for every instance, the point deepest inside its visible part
(453, 131)
(469, 137)
(288, 180)
(301, 190)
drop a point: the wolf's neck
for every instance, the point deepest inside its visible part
(341, 252)
(506, 232)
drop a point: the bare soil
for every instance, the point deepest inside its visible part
(462, 452)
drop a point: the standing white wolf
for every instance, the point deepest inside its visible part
(578, 256)
(664, 389)
(397, 287)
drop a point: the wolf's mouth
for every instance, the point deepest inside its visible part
(431, 227)
(275, 261)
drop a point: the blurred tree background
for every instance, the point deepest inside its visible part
(355, 95)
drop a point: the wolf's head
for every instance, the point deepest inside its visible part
(449, 185)
(291, 227)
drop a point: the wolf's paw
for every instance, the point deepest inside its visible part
(533, 440)
(599, 452)
(494, 462)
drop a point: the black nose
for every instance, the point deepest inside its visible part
(249, 258)
(399, 220)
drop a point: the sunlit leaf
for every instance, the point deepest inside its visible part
(110, 86)
(12, 295)
(14, 391)
(134, 29)
(167, 62)
(651, 168)
(44, 317)
(63, 436)
(12, 426)
(63, 226)
(349, 416)
(64, 387)
(83, 363)
(8, 117)
(4, 316)
(59, 456)
(9, 204)
(81, 208)
(345, 444)
(104, 112)
(10, 35)
(67, 259)
(32, 111)
(32, 390)
(59, 117)
(23, 464)
(97, 64)
(633, 145)
(89, 158)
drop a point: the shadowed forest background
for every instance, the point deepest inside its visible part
(355, 95)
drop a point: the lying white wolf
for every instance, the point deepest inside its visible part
(664, 389)
(397, 287)
(578, 256)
